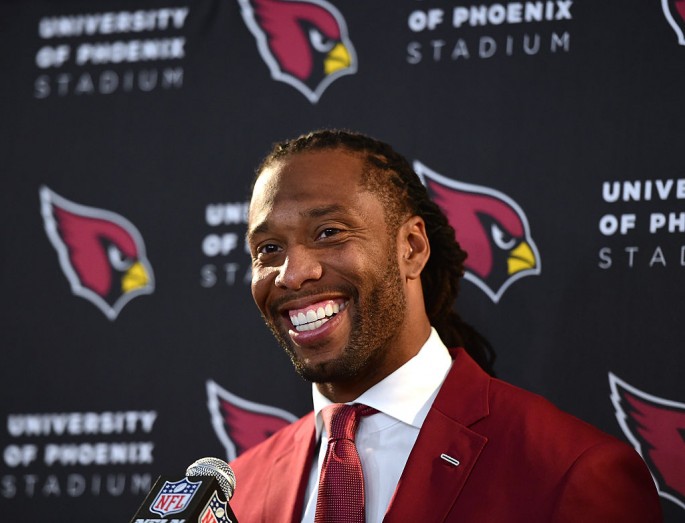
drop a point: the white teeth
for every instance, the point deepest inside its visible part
(311, 326)
(313, 319)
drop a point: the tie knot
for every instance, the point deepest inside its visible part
(341, 420)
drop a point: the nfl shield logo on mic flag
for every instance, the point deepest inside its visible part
(215, 511)
(174, 497)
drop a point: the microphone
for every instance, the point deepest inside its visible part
(202, 496)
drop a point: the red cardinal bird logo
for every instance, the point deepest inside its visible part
(304, 43)
(490, 227)
(101, 253)
(240, 424)
(674, 11)
(656, 428)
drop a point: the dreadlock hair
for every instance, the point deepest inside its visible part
(402, 194)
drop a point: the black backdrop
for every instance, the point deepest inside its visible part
(143, 122)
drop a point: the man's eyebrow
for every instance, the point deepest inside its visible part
(315, 212)
(319, 212)
(262, 227)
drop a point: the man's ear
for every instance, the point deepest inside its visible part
(413, 247)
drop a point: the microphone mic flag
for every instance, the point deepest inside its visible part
(200, 497)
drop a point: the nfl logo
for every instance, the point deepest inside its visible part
(215, 511)
(174, 497)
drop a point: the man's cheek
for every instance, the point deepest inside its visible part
(259, 288)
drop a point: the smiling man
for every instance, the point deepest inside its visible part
(355, 271)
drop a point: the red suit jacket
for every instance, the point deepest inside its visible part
(520, 460)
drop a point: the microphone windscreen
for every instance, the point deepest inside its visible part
(216, 468)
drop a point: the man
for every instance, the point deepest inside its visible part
(355, 271)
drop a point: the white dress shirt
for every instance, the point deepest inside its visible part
(385, 440)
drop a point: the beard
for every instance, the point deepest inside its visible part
(376, 320)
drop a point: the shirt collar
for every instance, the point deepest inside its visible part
(404, 394)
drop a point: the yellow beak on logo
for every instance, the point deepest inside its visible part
(338, 58)
(520, 259)
(135, 278)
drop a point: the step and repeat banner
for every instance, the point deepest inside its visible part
(130, 132)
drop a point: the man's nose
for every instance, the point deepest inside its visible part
(300, 266)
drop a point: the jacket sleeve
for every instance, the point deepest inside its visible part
(608, 482)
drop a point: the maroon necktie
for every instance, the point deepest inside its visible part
(341, 484)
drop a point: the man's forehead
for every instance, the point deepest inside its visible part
(270, 204)
(322, 161)
(334, 173)
(310, 185)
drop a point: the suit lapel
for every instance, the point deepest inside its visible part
(462, 400)
(294, 462)
(439, 481)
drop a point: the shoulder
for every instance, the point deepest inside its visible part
(534, 419)
(518, 407)
(512, 417)
(575, 471)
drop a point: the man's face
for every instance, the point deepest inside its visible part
(325, 271)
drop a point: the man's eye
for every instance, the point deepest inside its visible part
(327, 233)
(269, 248)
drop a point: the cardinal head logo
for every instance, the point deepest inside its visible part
(304, 43)
(674, 11)
(490, 227)
(656, 428)
(101, 253)
(239, 423)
